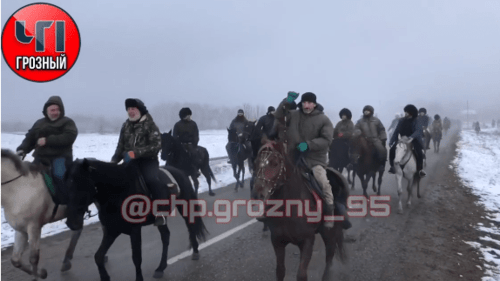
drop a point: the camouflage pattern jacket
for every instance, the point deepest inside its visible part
(142, 137)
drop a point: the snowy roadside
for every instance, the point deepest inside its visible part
(478, 165)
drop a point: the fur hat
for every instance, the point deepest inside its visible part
(185, 111)
(136, 103)
(270, 109)
(346, 112)
(422, 110)
(369, 108)
(241, 111)
(437, 117)
(310, 97)
(412, 110)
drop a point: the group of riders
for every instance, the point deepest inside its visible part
(309, 134)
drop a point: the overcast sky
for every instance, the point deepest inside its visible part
(350, 53)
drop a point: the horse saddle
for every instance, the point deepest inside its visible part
(164, 176)
(337, 182)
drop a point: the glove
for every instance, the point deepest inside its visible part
(128, 156)
(302, 147)
(292, 96)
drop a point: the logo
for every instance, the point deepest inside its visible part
(40, 42)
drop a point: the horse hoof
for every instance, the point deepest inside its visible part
(158, 274)
(195, 256)
(211, 193)
(43, 273)
(66, 266)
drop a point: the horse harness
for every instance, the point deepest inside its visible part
(269, 174)
(9, 181)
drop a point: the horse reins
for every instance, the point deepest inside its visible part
(6, 182)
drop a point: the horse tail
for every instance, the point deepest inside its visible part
(187, 193)
(338, 243)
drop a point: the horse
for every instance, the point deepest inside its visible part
(436, 138)
(239, 151)
(175, 155)
(446, 125)
(28, 206)
(405, 165)
(112, 186)
(280, 180)
(339, 158)
(366, 164)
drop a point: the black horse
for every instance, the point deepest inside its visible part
(339, 159)
(239, 149)
(175, 155)
(111, 186)
(366, 163)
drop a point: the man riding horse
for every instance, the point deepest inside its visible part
(411, 127)
(188, 134)
(344, 128)
(52, 138)
(310, 133)
(238, 124)
(139, 144)
(425, 121)
(374, 131)
(264, 127)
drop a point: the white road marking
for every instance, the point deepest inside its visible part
(211, 241)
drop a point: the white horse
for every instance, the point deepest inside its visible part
(28, 206)
(405, 165)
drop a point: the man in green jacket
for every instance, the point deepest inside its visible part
(310, 133)
(52, 138)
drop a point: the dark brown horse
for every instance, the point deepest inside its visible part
(366, 164)
(279, 179)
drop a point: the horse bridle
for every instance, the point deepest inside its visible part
(6, 182)
(275, 179)
(402, 165)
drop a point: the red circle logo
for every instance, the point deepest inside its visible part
(40, 42)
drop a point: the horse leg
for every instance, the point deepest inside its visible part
(399, 181)
(279, 250)
(20, 242)
(34, 233)
(418, 187)
(306, 249)
(242, 168)
(75, 235)
(364, 183)
(328, 237)
(410, 188)
(196, 183)
(194, 242)
(165, 241)
(99, 257)
(236, 176)
(373, 176)
(205, 170)
(380, 175)
(136, 242)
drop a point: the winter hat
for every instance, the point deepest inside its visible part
(345, 112)
(422, 110)
(136, 103)
(437, 117)
(310, 97)
(185, 111)
(241, 111)
(369, 108)
(412, 110)
(270, 109)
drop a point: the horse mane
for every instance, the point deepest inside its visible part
(23, 167)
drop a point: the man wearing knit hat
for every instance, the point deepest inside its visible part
(409, 126)
(264, 127)
(139, 144)
(188, 134)
(239, 123)
(374, 131)
(310, 133)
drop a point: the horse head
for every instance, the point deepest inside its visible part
(270, 170)
(232, 136)
(358, 146)
(403, 147)
(81, 191)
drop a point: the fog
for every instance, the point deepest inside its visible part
(218, 56)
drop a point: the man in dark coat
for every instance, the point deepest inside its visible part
(310, 133)
(139, 144)
(409, 126)
(188, 134)
(264, 127)
(374, 131)
(52, 138)
(239, 124)
(344, 128)
(425, 122)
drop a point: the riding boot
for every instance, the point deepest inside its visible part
(329, 211)
(346, 224)
(392, 170)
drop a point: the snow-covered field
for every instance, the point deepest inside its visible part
(102, 147)
(478, 165)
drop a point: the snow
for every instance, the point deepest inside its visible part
(102, 147)
(478, 165)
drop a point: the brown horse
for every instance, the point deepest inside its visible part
(366, 164)
(279, 179)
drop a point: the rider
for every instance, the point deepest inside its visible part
(264, 127)
(310, 132)
(374, 131)
(424, 120)
(238, 124)
(410, 127)
(52, 138)
(344, 128)
(139, 144)
(437, 125)
(187, 132)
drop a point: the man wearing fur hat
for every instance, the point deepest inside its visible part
(187, 132)
(410, 127)
(344, 128)
(139, 144)
(310, 133)
(374, 131)
(52, 138)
